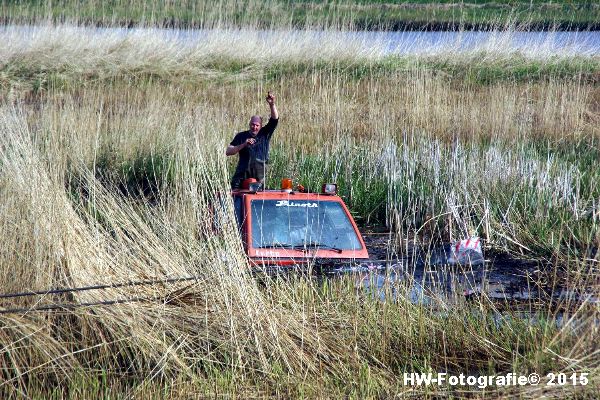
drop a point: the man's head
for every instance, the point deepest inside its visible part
(255, 124)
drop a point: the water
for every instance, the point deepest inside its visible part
(424, 277)
(363, 43)
(531, 43)
(424, 43)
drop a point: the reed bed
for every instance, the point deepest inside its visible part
(41, 56)
(359, 14)
(112, 156)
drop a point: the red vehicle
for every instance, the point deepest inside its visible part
(285, 227)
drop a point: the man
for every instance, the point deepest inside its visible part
(253, 147)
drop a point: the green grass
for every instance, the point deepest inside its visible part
(536, 211)
(474, 69)
(355, 14)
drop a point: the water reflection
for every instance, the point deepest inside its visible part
(424, 277)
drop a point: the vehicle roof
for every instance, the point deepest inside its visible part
(276, 194)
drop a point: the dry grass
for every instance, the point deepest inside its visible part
(359, 14)
(67, 55)
(495, 159)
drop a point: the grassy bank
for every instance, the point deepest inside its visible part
(112, 151)
(357, 14)
(64, 57)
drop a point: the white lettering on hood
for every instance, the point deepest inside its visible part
(286, 203)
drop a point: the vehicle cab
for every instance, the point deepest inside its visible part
(285, 227)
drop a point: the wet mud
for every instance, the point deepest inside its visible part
(423, 274)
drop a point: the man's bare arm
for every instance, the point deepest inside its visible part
(231, 150)
(271, 101)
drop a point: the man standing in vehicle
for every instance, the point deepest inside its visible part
(253, 147)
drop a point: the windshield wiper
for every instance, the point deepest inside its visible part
(323, 246)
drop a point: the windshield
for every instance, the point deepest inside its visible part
(302, 224)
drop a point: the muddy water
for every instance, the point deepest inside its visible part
(424, 276)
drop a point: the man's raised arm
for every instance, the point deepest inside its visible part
(271, 101)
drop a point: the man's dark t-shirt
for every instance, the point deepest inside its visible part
(259, 151)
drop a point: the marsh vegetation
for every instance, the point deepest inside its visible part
(112, 151)
(354, 14)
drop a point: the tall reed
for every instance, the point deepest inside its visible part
(111, 167)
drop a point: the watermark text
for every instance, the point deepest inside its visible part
(483, 381)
